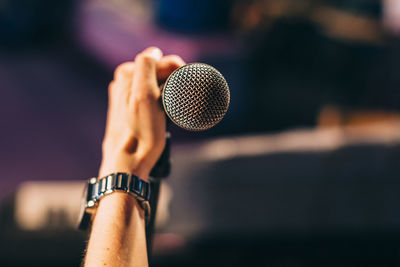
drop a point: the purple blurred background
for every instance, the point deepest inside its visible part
(315, 65)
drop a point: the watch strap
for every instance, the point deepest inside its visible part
(115, 182)
(123, 182)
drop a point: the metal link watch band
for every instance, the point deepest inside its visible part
(121, 182)
(124, 182)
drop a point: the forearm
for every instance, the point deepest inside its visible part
(133, 141)
(118, 233)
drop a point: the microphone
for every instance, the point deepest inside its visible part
(196, 97)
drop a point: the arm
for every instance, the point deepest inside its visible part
(133, 141)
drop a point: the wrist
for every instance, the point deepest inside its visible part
(124, 162)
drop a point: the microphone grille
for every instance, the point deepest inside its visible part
(196, 97)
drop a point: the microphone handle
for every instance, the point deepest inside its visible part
(162, 168)
(155, 190)
(160, 171)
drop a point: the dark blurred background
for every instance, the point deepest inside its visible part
(302, 171)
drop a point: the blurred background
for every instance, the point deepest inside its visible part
(302, 171)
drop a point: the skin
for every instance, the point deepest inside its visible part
(134, 140)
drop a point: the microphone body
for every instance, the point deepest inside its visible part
(196, 97)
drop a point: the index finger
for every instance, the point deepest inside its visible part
(167, 65)
(145, 70)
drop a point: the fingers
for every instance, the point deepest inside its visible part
(167, 65)
(145, 71)
(141, 78)
(123, 76)
(124, 71)
(135, 121)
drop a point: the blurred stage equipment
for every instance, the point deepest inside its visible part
(319, 197)
(284, 199)
(54, 205)
(47, 204)
(311, 181)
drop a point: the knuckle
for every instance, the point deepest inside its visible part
(122, 70)
(111, 87)
(118, 70)
(145, 58)
(175, 58)
(142, 98)
(112, 84)
(151, 48)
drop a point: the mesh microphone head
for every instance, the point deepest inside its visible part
(196, 97)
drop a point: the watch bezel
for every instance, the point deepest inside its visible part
(88, 206)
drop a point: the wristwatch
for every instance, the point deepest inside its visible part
(116, 182)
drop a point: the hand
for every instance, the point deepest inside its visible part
(135, 129)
